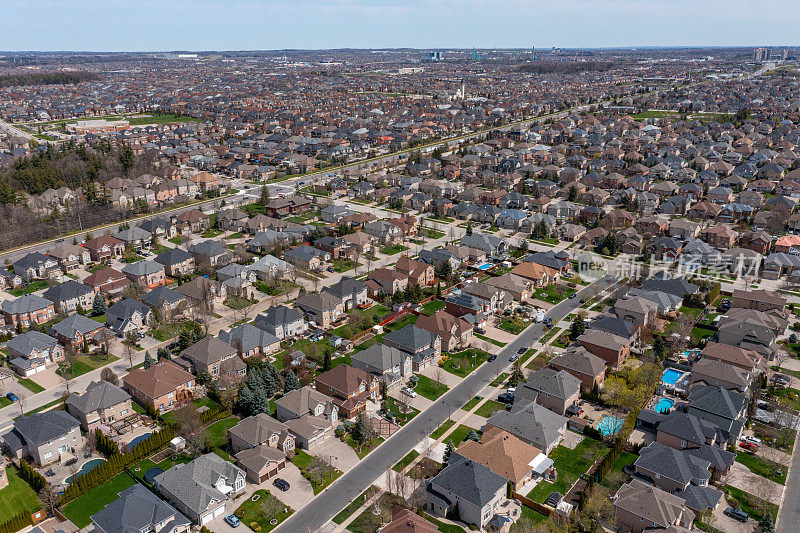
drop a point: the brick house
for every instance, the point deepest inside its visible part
(163, 386)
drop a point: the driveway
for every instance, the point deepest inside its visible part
(300, 491)
(48, 378)
(218, 525)
(339, 453)
(419, 402)
(727, 524)
(742, 478)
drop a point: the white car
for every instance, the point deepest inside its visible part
(754, 440)
(539, 318)
(408, 392)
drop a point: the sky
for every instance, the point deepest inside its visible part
(165, 25)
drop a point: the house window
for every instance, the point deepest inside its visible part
(47, 455)
(62, 449)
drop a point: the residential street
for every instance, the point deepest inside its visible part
(316, 513)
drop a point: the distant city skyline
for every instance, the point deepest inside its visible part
(150, 26)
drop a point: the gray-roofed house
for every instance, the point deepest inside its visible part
(202, 488)
(136, 510)
(128, 316)
(322, 308)
(32, 352)
(533, 424)
(641, 507)
(43, 436)
(177, 262)
(351, 292)
(211, 252)
(555, 389)
(35, 265)
(164, 299)
(102, 403)
(387, 363)
(249, 340)
(468, 488)
(424, 347)
(260, 429)
(282, 322)
(582, 364)
(725, 409)
(491, 244)
(135, 237)
(307, 257)
(27, 309)
(78, 331)
(309, 415)
(207, 356)
(147, 274)
(67, 297)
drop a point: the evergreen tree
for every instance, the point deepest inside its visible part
(99, 305)
(448, 451)
(245, 400)
(473, 435)
(148, 361)
(577, 327)
(326, 361)
(767, 524)
(659, 348)
(469, 228)
(163, 353)
(290, 382)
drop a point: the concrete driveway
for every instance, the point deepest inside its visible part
(742, 478)
(339, 453)
(727, 524)
(419, 402)
(48, 378)
(300, 491)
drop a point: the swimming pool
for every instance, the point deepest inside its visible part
(663, 405)
(138, 439)
(88, 465)
(485, 266)
(671, 376)
(609, 425)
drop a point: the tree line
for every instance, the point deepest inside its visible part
(47, 78)
(565, 67)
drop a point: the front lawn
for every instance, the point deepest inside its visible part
(217, 433)
(342, 264)
(275, 288)
(459, 435)
(37, 285)
(364, 449)
(79, 510)
(17, 497)
(405, 461)
(238, 303)
(553, 293)
(431, 307)
(316, 472)
(514, 325)
(355, 505)
(178, 240)
(254, 515)
(762, 467)
(429, 388)
(438, 432)
(790, 395)
(81, 364)
(750, 504)
(489, 407)
(401, 418)
(393, 249)
(464, 363)
(31, 385)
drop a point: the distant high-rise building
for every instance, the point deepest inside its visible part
(785, 54)
(761, 54)
(432, 57)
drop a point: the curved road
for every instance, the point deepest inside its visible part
(316, 513)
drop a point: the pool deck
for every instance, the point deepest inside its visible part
(133, 433)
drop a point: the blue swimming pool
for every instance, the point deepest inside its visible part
(88, 465)
(485, 266)
(609, 425)
(671, 376)
(138, 439)
(663, 405)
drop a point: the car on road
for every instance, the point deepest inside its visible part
(506, 397)
(547, 321)
(571, 296)
(522, 350)
(513, 358)
(749, 446)
(480, 331)
(330, 269)
(232, 520)
(409, 392)
(737, 514)
(281, 484)
(539, 317)
(492, 357)
(11, 396)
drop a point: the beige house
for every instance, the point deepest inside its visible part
(102, 403)
(641, 507)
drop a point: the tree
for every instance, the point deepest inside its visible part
(50, 498)
(362, 431)
(438, 375)
(148, 361)
(163, 353)
(577, 327)
(264, 199)
(448, 451)
(767, 523)
(108, 375)
(130, 340)
(659, 348)
(190, 427)
(473, 435)
(99, 305)
(326, 361)
(290, 382)
(516, 374)
(270, 506)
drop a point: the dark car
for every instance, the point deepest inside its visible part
(281, 484)
(548, 320)
(571, 296)
(492, 357)
(522, 350)
(506, 397)
(737, 514)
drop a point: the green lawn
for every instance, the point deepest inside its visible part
(514, 325)
(691, 311)
(431, 307)
(487, 339)
(31, 385)
(464, 363)
(366, 319)
(178, 240)
(318, 480)
(429, 388)
(84, 363)
(749, 503)
(18, 496)
(698, 333)
(4, 402)
(79, 510)
(305, 346)
(405, 461)
(459, 435)
(355, 505)
(394, 249)
(552, 293)
(570, 465)
(211, 233)
(534, 516)
(622, 461)
(237, 302)
(365, 448)
(343, 264)
(217, 433)
(252, 513)
(159, 118)
(792, 396)
(400, 418)
(762, 467)
(489, 407)
(237, 235)
(33, 287)
(499, 379)
(438, 432)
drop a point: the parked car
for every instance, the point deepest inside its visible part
(571, 296)
(408, 392)
(480, 331)
(232, 520)
(492, 357)
(11, 396)
(539, 317)
(737, 514)
(522, 350)
(750, 438)
(281, 484)
(506, 397)
(513, 358)
(749, 446)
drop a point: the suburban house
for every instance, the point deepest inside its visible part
(26, 310)
(322, 308)
(44, 437)
(78, 331)
(204, 292)
(163, 386)
(33, 352)
(719, 373)
(166, 301)
(36, 265)
(406, 521)
(725, 409)
(282, 322)
(760, 300)
(128, 316)
(69, 296)
(249, 340)
(309, 415)
(202, 488)
(748, 360)
(582, 364)
(349, 388)
(138, 509)
(102, 403)
(351, 292)
(386, 281)
(388, 364)
(307, 257)
(555, 389)
(193, 220)
(70, 256)
(261, 463)
(211, 252)
(104, 248)
(468, 488)
(423, 346)
(177, 262)
(260, 429)
(612, 349)
(455, 332)
(640, 507)
(423, 274)
(207, 355)
(109, 282)
(146, 274)
(533, 424)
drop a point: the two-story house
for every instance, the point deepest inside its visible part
(349, 388)
(424, 347)
(102, 403)
(388, 364)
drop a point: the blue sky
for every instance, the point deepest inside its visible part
(148, 25)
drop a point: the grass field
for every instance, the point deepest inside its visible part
(18, 496)
(570, 465)
(762, 467)
(750, 504)
(343, 264)
(86, 363)
(31, 385)
(252, 512)
(431, 307)
(394, 249)
(429, 388)
(33, 287)
(217, 433)
(79, 510)
(464, 363)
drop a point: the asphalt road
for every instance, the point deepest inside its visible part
(788, 520)
(338, 495)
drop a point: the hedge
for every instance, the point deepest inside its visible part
(31, 476)
(15, 523)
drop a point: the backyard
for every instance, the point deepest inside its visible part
(217, 433)
(431, 307)
(570, 464)
(80, 510)
(17, 497)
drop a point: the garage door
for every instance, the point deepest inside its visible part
(219, 512)
(206, 519)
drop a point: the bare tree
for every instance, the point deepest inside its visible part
(438, 375)
(191, 428)
(128, 344)
(108, 375)
(270, 506)
(49, 498)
